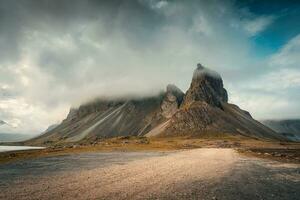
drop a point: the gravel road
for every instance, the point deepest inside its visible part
(189, 174)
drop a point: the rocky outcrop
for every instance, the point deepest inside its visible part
(172, 100)
(203, 109)
(207, 86)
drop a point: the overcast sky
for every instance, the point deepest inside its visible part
(58, 53)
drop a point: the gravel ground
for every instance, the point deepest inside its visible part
(190, 174)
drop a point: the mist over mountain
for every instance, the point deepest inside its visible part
(204, 108)
(60, 54)
(149, 99)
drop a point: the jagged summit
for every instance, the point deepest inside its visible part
(204, 108)
(172, 100)
(207, 86)
(202, 71)
(174, 90)
(200, 66)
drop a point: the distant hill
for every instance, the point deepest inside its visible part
(289, 128)
(2, 122)
(203, 109)
(12, 137)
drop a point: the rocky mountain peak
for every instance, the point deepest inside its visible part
(200, 66)
(203, 72)
(207, 86)
(172, 100)
(175, 91)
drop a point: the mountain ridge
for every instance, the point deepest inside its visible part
(289, 128)
(203, 108)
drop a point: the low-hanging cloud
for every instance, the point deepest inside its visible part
(61, 53)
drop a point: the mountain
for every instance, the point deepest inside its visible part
(204, 108)
(13, 137)
(2, 122)
(206, 86)
(289, 128)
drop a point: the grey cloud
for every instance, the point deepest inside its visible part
(61, 52)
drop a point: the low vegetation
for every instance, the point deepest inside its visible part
(249, 146)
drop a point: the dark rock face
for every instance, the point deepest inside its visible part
(206, 86)
(171, 101)
(194, 119)
(106, 118)
(175, 91)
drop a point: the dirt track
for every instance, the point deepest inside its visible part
(191, 174)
